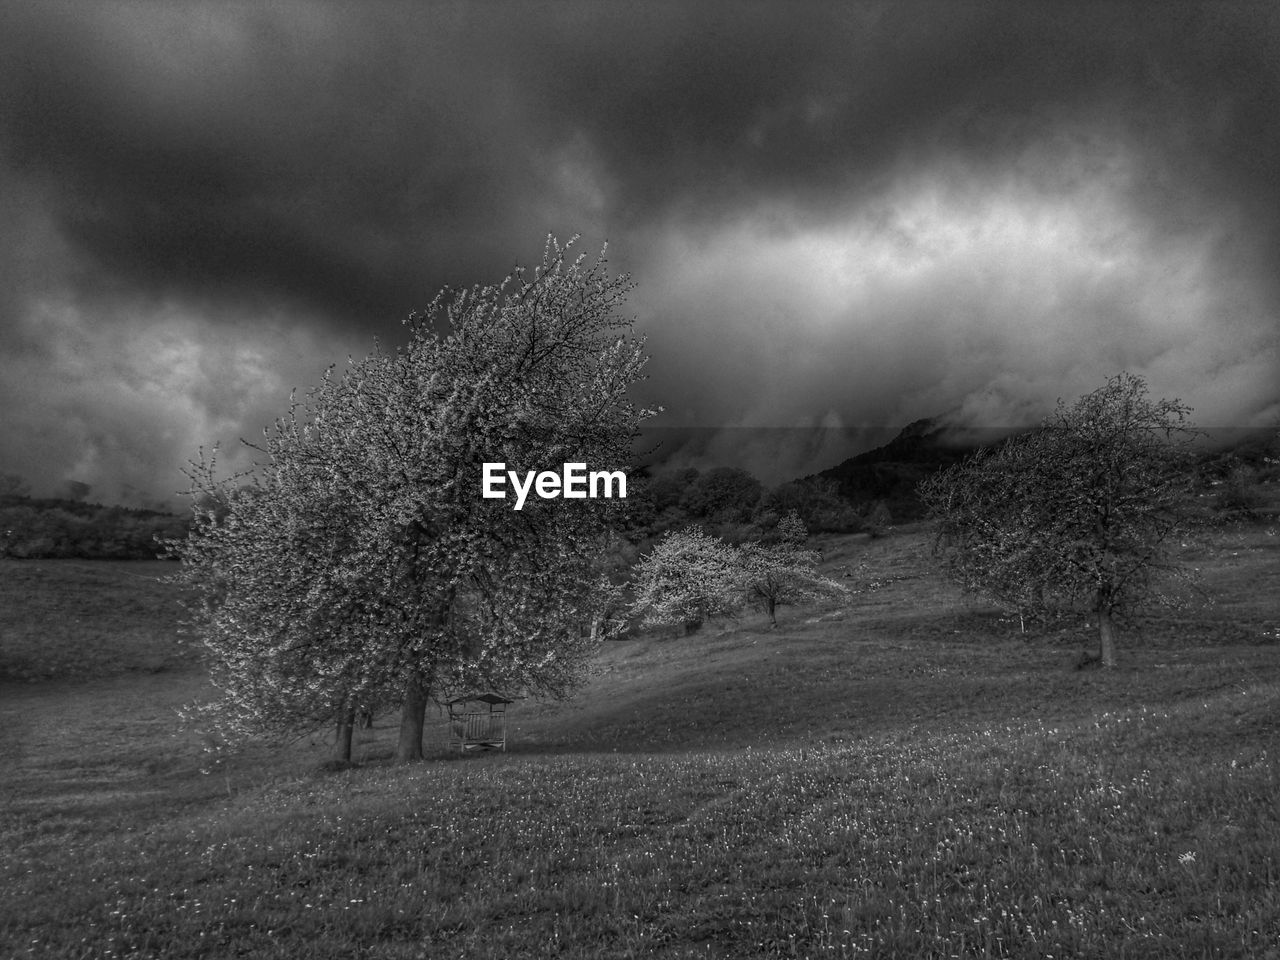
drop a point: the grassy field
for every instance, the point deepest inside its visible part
(80, 619)
(908, 775)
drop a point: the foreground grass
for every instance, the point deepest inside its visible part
(1140, 834)
(907, 776)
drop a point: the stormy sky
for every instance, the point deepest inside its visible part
(841, 217)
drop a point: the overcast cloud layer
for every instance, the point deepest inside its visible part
(842, 215)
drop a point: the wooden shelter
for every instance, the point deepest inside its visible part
(472, 727)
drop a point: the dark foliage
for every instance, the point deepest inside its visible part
(33, 528)
(722, 494)
(817, 501)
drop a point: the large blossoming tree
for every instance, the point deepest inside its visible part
(360, 566)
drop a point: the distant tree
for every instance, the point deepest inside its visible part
(773, 529)
(688, 578)
(784, 573)
(878, 519)
(615, 558)
(1083, 508)
(817, 501)
(791, 530)
(360, 566)
(723, 494)
(639, 510)
(668, 488)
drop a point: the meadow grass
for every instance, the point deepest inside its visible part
(86, 618)
(909, 775)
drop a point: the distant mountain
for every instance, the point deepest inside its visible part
(891, 473)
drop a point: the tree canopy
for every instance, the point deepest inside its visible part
(722, 493)
(688, 578)
(360, 566)
(1083, 508)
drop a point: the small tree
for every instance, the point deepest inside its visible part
(688, 578)
(784, 573)
(1083, 508)
(878, 520)
(791, 531)
(361, 565)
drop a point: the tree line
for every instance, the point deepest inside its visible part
(734, 505)
(34, 528)
(727, 501)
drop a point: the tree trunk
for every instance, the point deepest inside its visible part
(342, 741)
(773, 611)
(413, 714)
(1106, 637)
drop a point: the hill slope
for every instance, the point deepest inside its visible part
(906, 775)
(892, 472)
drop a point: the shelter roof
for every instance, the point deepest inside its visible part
(480, 697)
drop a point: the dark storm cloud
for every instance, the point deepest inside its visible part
(829, 102)
(231, 151)
(844, 214)
(333, 153)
